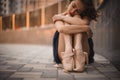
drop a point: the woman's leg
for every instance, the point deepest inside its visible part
(68, 43)
(65, 48)
(58, 44)
(78, 42)
(68, 40)
(61, 45)
(79, 54)
(68, 54)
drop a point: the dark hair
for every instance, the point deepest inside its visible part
(89, 10)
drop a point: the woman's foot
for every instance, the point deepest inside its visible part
(79, 61)
(68, 62)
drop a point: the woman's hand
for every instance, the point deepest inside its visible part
(58, 17)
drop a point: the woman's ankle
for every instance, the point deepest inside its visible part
(79, 50)
(68, 51)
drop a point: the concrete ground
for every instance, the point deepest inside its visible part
(35, 62)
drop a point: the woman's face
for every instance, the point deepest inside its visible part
(80, 5)
(74, 6)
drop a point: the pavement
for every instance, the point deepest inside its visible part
(35, 62)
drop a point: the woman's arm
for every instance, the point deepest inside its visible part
(71, 20)
(74, 27)
(75, 20)
(68, 29)
(71, 28)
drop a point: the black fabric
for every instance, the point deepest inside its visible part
(91, 46)
(55, 48)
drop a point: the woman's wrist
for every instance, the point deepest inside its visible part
(58, 17)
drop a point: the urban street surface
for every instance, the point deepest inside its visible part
(35, 62)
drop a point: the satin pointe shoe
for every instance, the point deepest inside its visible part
(79, 61)
(68, 62)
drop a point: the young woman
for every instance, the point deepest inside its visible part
(81, 8)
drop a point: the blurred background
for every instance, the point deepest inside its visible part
(30, 22)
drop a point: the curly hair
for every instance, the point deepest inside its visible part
(89, 10)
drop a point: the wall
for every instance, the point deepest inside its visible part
(49, 12)
(40, 36)
(106, 32)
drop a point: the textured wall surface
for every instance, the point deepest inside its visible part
(34, 36)
(107, 31)
(49, 12)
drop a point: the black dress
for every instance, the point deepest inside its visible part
(55, 49)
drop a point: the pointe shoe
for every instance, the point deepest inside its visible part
(67, 61)
(79, 61)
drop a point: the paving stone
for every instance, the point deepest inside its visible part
(91, 78)
(4, 74)
(37, 70)
(36, 66)
(11, 58)
(98, 64)
(64, 76)
(31, 79)
(41, 61)
(25, 69)
(2, 58)
(14, 79)
(24, 61)
(92, 70)
(26, 75)
(2, 78)
(107, 65)
(78, 73)
(112, 74)
(107, 69)
(2, 63)
(50, 66)
(48, 73)
(40, 79)
(15, 66)
(115, 79)
(9, 62)
(3, 67)
(47, 79)
(89, 75)
(6, 70)
(103, 61)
